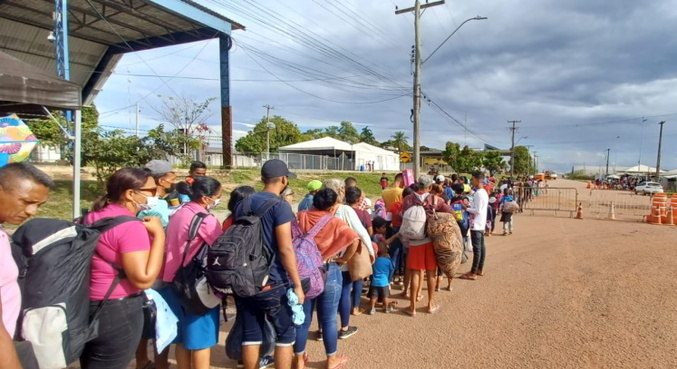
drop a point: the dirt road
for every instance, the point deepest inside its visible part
(559, 293)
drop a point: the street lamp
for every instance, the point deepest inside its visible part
(417, 76)
(448, 37)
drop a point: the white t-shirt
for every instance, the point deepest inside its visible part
(479, 210)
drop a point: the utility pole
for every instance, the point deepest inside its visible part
(417, 79)
(535, 164)
(607, 162)
(512, 146)
(137, 120)
(658, 157)
(268, 107)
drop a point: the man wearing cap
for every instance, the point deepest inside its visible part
(276, 228)
(307, 202)
(165, 179)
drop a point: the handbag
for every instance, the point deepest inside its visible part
(359, 265)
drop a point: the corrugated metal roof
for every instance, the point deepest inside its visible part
(95, 28)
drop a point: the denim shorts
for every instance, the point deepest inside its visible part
(271, 304)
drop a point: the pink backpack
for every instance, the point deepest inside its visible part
(308, 258)
(380, 209)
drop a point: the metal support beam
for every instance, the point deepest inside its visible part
(225, 43)
(193, 12)
(61, 39)
(77, 154)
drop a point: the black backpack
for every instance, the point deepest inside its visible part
(190, 282)
(238, 262)
(54, 257)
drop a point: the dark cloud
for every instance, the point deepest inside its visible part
(579, 74)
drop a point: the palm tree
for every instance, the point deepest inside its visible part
(399, 141)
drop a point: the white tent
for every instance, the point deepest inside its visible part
(383, 159)
(360, 153)
(640, 169)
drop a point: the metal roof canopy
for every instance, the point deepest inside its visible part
(100, 32)
(96, 45)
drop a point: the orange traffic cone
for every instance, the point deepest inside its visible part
(670, 220)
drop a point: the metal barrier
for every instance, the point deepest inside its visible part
(553, 199)
(596, 204)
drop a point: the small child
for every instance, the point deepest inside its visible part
(380, 284)
(506, 216)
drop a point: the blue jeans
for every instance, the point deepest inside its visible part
(326, 305)
(478, 250)
(351, 294)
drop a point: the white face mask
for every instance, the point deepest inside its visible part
(215, 204)
(151, 202)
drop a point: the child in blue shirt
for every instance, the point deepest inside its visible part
(380, 283)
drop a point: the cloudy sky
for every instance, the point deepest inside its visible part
(579, 74)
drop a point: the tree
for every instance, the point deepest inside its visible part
(186, 115)
(523, 160)
(313, 134)
(348, 133)
(367, 136)
(468, 160)
(451, 153)
(284, 133)
(399, 141)
(51, 133)
(493, 161)
(160, 144)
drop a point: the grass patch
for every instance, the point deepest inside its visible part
(61, 197)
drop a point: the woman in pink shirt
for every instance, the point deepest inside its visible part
(127, 260)
(197, 333)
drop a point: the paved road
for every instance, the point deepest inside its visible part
(559, 293)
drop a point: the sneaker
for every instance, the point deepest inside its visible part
(266, 362)
(371, 312)
(347, 333)
(389, 309)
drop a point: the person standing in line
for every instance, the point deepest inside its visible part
(133, 248)
(277, 237)
(337, 243)
(383, 181)
(393, 193)
(196, 333)
(197, 169)
(421, 256)
(478, 209)
(307, 202)
(23, 189)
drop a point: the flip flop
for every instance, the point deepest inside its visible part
(409, 312)
(435, 309)
(419, 298)
(343, 361)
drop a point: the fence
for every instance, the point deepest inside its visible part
(553, 199)
(294, 161)
(596, 204)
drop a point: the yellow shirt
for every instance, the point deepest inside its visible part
(391, 195)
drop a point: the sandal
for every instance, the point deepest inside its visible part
(435, 309)
(409, 312)
(343, 361)
(419, 298)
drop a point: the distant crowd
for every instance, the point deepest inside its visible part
(160, 265)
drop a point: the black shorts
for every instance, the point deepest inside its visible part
(378, 292)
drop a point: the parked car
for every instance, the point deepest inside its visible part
(649, 188)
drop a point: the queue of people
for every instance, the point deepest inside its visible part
(175, 226)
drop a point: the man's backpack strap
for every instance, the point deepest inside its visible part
(261, 211)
